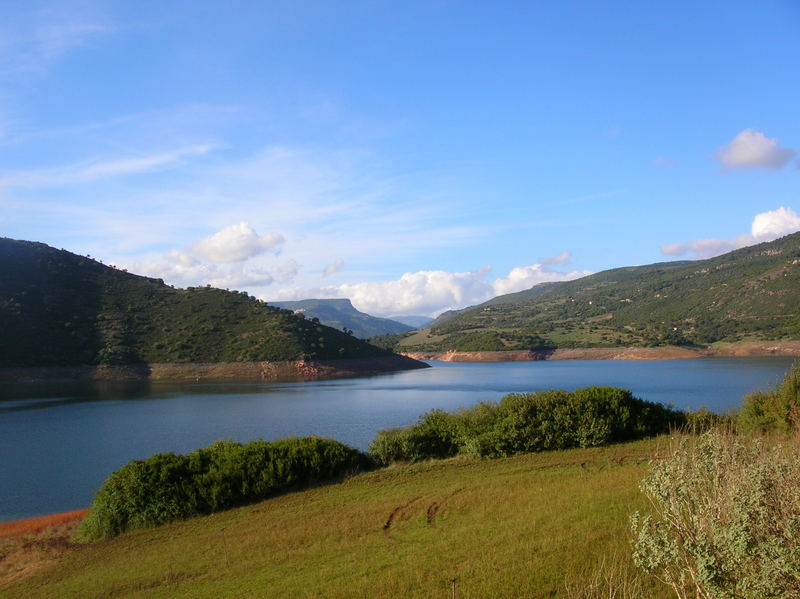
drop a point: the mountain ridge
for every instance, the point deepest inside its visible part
(749, 294)
(64, 310)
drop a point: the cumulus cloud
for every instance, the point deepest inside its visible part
(425, 292)
(775, 223)
(182, 270)
(525, 277)
(178, 268)
(430, 292)
(236, 243)
(219, 260)
(766, 226)
(333, 268)
(753, 149)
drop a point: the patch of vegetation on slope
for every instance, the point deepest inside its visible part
(169, 486)
(724, 519)
(750, 294)
(528, 422)
(64, 309)
(340, 314)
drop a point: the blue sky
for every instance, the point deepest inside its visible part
(413, 156)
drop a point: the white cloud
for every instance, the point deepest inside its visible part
(430, 292)
(218, 261)
(766, 226)
(775, 223)
(236, 243)
(182, 270)
(333, 268)
(525, 277)
(423, 292)
(752, 149)
(97, 170)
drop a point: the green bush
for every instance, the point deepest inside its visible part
(726, 521)
(170, 486)
(703, 420)
(528, 422)
(775, 410)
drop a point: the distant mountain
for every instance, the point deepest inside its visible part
(751, 294)
(61, 309)
(340, 314)
(416, 322)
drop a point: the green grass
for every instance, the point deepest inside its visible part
(514, 527)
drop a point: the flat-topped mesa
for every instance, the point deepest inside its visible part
(340, 314)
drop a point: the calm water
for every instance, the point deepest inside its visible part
(59, 442)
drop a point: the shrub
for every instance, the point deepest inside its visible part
(726, 521)
(433, 436)
(170, 486)
(703, 420)
(390, 445)
(528, 422)
(775, 410)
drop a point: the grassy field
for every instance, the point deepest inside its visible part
(516, 527)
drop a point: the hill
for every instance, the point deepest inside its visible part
(751, 294)
(340, 314)
(512, 527)
(62, 309)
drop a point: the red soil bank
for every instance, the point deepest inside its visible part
(30, 525)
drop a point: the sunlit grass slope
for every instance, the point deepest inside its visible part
(514, 527)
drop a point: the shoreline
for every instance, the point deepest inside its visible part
(730, 350)
(286, 371)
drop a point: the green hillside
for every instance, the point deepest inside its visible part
(747, 295)
(340, 314)
(514, 527)
(58, 308)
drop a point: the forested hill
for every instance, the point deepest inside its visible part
(750, 294)
(340, 314)
(59, 308)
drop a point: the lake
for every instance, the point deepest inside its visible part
(59, 442)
